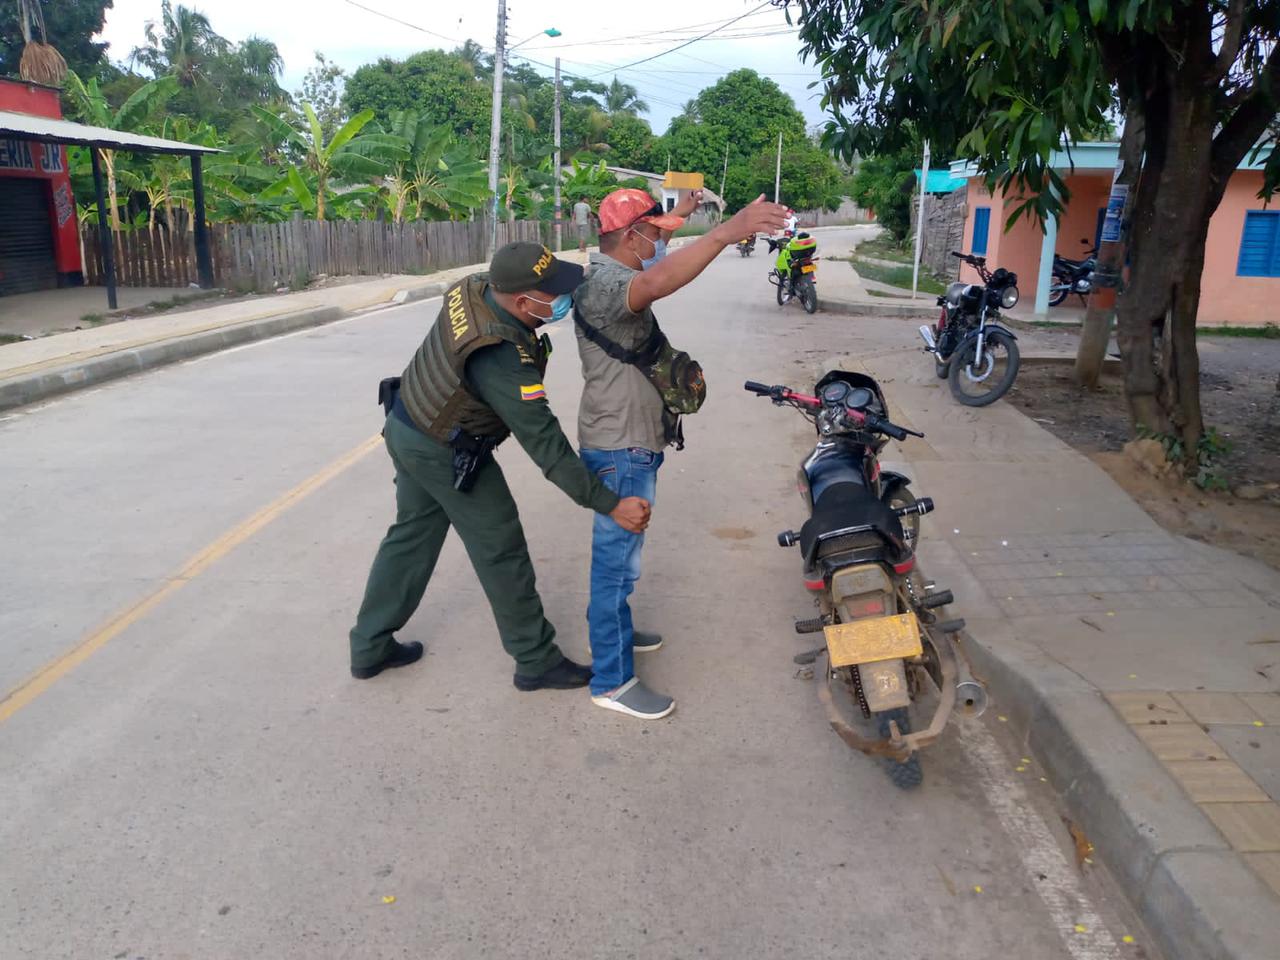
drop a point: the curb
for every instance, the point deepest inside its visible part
(33, 388)
(889, 309)
(1197, 897)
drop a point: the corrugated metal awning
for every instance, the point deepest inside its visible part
(47, 130)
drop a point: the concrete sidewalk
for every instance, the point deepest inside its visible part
(1141, 667)
(841, 289)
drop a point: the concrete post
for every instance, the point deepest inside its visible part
(1045, 276)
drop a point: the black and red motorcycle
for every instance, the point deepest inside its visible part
(885, 651)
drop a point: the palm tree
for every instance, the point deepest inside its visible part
(624, 98)
(40, 62)
(595, 126)
(186, 44)
(473, 55)
(262, 63)
(90, 105)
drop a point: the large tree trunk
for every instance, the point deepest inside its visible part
(1096, 331)
(1170, 227)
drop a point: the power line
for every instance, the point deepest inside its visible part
(695, 39)
(403, 23)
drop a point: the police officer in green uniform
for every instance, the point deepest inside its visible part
(476, 379)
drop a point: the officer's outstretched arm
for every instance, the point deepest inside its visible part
(514, 390)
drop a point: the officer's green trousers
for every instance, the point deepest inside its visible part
(486, 520)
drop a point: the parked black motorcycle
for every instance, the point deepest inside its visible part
(884, 647)
(747, 246)
(1073, 276)
(970, 347)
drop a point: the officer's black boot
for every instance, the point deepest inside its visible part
(403, 655)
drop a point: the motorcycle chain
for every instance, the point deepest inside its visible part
(856, 679)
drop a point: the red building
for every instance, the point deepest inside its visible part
(39, 243)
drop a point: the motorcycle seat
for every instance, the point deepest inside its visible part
(872, 530)
(953, 292)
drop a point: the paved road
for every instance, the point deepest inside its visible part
(200, 778)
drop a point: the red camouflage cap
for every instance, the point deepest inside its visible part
(627, 207)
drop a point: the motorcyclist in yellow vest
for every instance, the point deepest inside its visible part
(475, 380)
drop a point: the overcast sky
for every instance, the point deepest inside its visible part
(596, 38)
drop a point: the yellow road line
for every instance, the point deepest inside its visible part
(52, 672)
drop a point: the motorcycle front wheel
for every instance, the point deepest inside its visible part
(978, 381)
(809, 296)
(1058, 291)
(781, 290)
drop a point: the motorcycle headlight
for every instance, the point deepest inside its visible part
(1009, 298)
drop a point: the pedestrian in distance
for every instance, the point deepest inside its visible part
(582, 221)
(636, 388)
(476, 379)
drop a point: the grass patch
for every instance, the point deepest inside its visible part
(180, 299)
(92, 319)
(891, 296)
(883, 248)
(896, 276)
(1268, 331)
(1054, 325)
(693, 229)
(9, 338)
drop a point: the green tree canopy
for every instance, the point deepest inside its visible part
(1005, 83)
(441, 86)
(71, 26)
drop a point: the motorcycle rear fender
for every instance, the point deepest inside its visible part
(890, 483)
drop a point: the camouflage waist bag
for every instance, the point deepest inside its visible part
(673, 373)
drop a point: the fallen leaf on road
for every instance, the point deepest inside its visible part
(1084, 846)
(388, 899)
(1087, 622)
(977, 889)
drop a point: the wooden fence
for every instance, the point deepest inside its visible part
(263, 256)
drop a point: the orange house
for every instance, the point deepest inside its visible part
(1241, 284)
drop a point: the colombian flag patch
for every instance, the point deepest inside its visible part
(535, 392)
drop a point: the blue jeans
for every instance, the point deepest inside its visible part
(615, 564)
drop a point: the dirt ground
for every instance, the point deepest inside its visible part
(1240, 400)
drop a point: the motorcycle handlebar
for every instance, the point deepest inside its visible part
(758, 388)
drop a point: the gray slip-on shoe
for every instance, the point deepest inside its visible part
(646, 642)
(636, 700)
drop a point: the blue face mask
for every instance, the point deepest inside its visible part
(560, 307)
(659, 251)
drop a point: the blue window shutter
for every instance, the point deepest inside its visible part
(1260, 244)
(981, 226)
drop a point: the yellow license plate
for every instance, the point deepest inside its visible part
(871, 640)
(809, 268)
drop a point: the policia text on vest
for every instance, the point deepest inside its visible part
(475, 380)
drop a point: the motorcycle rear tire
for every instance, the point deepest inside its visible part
(905, 776)
(965, 356)
(1059, 296)
(809, 296)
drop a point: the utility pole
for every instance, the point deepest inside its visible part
(777, 173)
(559, 226)
(924, 192)
(723, 174)
(495, 132)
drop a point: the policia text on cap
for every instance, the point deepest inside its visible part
(476, 379)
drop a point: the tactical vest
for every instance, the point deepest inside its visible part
(434, 388)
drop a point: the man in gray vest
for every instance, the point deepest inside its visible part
(476, 379)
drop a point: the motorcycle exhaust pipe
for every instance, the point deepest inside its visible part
(926, 334)
(971, 697)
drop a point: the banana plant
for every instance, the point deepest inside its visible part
(90, 105)
(431, 171)
(350, 156)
